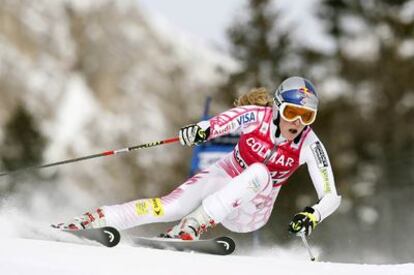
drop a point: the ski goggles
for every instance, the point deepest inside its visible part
(292, 112)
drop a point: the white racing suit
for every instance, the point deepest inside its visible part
(239, 190)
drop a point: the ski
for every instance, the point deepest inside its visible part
(107, 236)
(218, 246)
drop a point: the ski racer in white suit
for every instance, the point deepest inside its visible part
(240, 189)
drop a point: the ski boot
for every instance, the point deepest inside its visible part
(191, 226)
(94, 219)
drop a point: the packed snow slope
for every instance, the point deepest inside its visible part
(28, 256)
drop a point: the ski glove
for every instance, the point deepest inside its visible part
(304, 221)
(193, 134)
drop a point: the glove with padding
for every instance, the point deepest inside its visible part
(193, 134)
(303, 222)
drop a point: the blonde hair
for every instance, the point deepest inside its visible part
(256, 96)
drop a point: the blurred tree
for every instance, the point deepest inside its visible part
(260, 47)
(366, 127)
(375, 59)
(22, 146)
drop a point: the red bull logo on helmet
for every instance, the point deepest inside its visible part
(306, 91)
(297, 90)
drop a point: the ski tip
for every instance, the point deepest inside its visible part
(113, 236)
(227, 244)
(107, 236)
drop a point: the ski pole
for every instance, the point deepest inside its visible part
(103, 154)
(305, 242)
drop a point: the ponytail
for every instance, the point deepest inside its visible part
(256, 96)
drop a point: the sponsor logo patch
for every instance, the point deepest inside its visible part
(141, 207)
(325, 178)
(246, 118)
(238, 158)
(225, 129)
(157, 207)
(319, 155)
(254, 185)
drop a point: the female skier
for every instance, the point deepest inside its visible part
(240, 189)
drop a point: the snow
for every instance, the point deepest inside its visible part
(28, 256)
